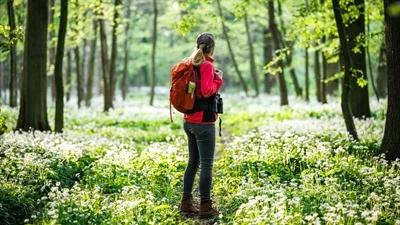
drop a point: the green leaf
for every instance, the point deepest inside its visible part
(362, 82)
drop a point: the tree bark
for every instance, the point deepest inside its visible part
(275, 37)
(62, 30)
(13, 55)
(289, 56)
(391, 138)
(33, 105)
(124, 85)
(105, 68)
(153, 52)
(114, 48)
(307, 76)
(371, 74)
(51, 51)
(307, 73)
(253, 69)
(323, 79)
(345, 104)
(381, 80)
(79, 86)
(317, 73)
(269, 81)
(234, 62)
(68, 78)
(359, 98)
(331, 70)
(92, 59)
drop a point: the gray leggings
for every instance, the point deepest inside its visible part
(201, 142)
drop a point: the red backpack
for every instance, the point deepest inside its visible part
(182, 74)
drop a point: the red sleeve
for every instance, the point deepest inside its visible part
(210, 84)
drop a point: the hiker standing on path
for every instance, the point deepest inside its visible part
(200, 129)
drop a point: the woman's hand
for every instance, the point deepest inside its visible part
(219, 73)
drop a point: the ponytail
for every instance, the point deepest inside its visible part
(197, 56)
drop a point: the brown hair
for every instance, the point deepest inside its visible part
(205, 46)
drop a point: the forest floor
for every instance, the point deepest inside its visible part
(274, 165)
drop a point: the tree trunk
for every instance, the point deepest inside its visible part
(307, 76)
(269, 80)
(114, 48)
(391, 138)
(359, 98)
(153, 52)
(345, 104)
(317, 73)
(68, 79)
(92, 59)
(371, 74)
(331, 70)
(381, 80)
(323, 79)
(79, 86)
(13, 55)
(275, 37)
(84, 67)
(51, 51)
(253, 69)
(59, 114)
(289, 56)
(307, 73)
(295, 81)
(33, 105)
(105, 68)
(234, 62)
(124, 85)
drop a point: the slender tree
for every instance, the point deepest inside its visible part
(323, 79)
(62, 30)
(13, 54)
(108, 103)
(230, 49)
(79, 77)
(381, 79)
(391, 138)
(269, 81)
(359, 98)
(124, 81)
(345, 55)
(371, 75)
(33, 105)
(92, 59)
(114, 48)
(51, 51)
(153, 52)
(275, 37)
(253, 68)
(68, 78)
(317, 73)
(307, 73)
(307, 76)
(289, 54)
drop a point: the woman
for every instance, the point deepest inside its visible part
(200, 129)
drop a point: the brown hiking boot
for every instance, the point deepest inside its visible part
(207, 211)
(188, 208)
